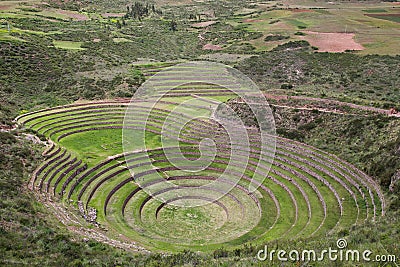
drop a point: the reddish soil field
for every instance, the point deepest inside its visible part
(332, 41)
(211, 47)
(4, 7)
(79, 17)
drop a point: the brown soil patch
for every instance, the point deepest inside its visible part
(76, 16)
(4, 7)
(96, 40)
(112, 15)
(203, 24)
(332, 41)
(211, 47)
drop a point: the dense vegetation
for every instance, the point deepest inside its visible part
(370, 80)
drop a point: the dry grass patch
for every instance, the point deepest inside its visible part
(332, 41)
(112, 15)
(211, 47)
(203, 24)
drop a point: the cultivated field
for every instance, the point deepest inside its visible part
(367, 28)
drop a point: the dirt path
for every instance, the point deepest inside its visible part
(73, 223)
(328, 101)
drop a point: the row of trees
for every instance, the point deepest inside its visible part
(139, 10)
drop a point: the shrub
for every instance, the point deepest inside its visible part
(277, 37)
(286, 86)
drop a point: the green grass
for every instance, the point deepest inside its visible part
(389, 17)
(298, 23)
(103, 138)
(149, 238)
(94, 146)
(5, 36)
(10, 15)
(70, 45)
(280, 229)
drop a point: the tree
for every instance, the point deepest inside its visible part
(138, 10)
(119, 26)
(173, 26)
(136, 76)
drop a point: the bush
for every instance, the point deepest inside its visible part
(277, 37)
(292, 45)
(286, 86)
(291, 134)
